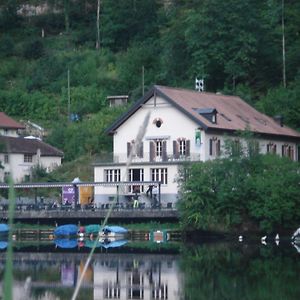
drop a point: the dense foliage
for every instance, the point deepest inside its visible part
(236, 46)
(249, 193)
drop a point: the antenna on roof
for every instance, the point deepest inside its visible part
(199, 84)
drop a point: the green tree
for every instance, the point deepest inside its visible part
(123, 22)
(221, 43)
(34, 49)
(9, 18)
(224, 193)
(6, 46)
(284, 102)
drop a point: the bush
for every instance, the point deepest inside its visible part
(223, 193)
(6, 46)
(33, 49)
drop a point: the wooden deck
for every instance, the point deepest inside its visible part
(60, 215)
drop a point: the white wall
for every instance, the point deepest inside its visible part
(262, 145)
(168, 191)
(18, 168)
(175, 125)
(9, 132)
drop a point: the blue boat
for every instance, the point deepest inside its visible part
(3, 245)
(66, 230)
(114, 244)
(114, 229)
(66, 243)
(3, 228)
(107, 243)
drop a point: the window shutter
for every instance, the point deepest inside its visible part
(128, 148)
(210, 146)
(152, 150)
(188, 148)
(218, 148)
(141, 150)
(289, 152)
(164, 151)
(175, 150)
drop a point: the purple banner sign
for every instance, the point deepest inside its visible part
(68, 195)
(68, 274)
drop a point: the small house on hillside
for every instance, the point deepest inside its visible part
(184, 125)
(10, 127)
(117, 100)
(18, 155)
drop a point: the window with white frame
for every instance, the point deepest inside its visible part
(27, 158)
(111, 290)
(159, 174)
(112, 175)
(182, 147)
(6, 159)
(158, 148)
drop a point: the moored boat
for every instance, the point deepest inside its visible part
(4, 228)
(159, 236)
(296, 236)
(105, 243)
(66, 243)
(106, 231)
(3, 245)
(114, 229)
(66, 230)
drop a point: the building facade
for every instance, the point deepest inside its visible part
(184, 125)
(19, 155)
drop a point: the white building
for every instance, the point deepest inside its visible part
(19, 155)
(9, 127)
(137, 277)
(184, 125)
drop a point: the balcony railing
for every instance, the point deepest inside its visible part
(122, 158)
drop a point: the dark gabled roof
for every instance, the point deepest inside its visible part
(233, 113)
(27, 146)
(8, 123)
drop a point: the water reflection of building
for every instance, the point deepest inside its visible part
(109, 276)
(137, 277)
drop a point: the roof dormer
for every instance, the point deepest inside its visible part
(208, 113)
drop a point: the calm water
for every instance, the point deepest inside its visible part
(207, 271)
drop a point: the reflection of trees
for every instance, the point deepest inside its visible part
(220, 272)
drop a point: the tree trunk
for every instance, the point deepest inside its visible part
(98, 25)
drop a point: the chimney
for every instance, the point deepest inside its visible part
(278, 119)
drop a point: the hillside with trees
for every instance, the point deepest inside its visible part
(248, 48)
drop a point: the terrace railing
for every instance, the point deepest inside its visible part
(122, 158)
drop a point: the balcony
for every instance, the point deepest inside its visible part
(122, 158)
